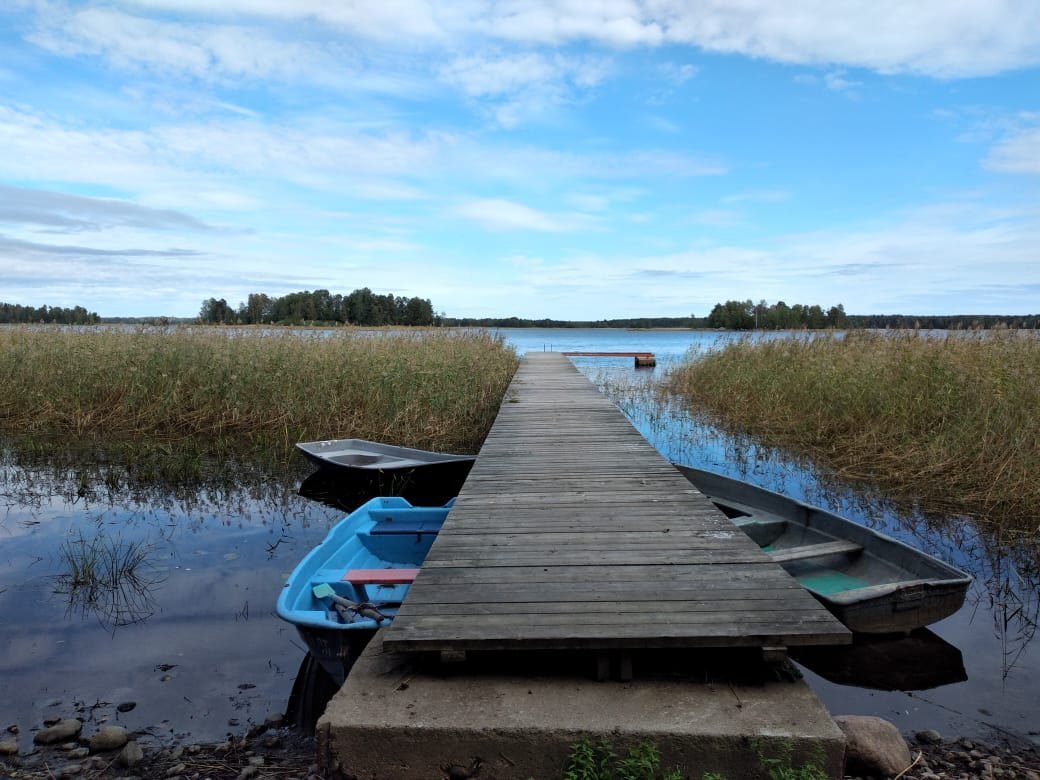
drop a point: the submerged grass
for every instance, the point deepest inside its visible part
(110, 578)
(948, 423)
(204, 390)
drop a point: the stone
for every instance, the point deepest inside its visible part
(274, 720)
(131, 755)
(248, 771)
(78, 752)
(70, 770)
(929, 737)
(9, 747)
(873, 746)
(108, 738)
(61, 731)
(13, 729)
(126, 706)
(176, 770)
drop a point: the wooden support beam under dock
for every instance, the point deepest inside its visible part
(572, 532)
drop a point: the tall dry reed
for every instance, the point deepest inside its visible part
(255, 389)
(949, 422)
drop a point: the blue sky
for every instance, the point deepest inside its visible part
(540, 159)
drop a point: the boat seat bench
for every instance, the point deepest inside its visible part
(418, 527)
(808, 551)
(362, 579)
(380, 576)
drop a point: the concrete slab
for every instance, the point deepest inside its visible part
(398, 716)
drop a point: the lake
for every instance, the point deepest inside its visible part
(195, 644)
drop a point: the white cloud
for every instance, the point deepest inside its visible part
(836, 81)
(522, 86)
(201, 50)
(1017, 153)
(716, 217)
(677, 73)
(63, 213)
(943, 38)
(501, 214)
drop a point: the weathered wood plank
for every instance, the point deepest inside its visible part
(572, 532)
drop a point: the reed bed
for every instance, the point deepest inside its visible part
(947, 423)
(200, 389)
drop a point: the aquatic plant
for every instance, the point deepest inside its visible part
(109, 577)
(188, 393)
(946, 423)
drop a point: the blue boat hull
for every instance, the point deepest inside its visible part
(383, 534)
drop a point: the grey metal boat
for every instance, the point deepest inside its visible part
(373, 456)
(870, 582)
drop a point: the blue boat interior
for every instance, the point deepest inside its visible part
(384, 533)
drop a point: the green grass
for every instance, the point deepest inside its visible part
(598, 761)
(200, 391)
(947, 423)
(108, 577)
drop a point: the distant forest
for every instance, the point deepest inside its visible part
(518, 322)
(361, 307)
(13, 312)
(745, 315)
(364, 307)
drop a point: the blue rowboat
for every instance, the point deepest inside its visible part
(353, 583)
(870, 582)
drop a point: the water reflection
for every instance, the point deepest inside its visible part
(312, 689)
(224, 546)
(346, 490)
(103, 585)
(110, 578)
(916, 662)
(994, 630)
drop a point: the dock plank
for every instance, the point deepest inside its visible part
(572, 532)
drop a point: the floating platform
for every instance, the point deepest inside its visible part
(642, 359)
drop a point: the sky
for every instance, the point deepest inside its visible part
(572, 159)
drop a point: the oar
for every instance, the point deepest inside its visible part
(365, 609)
(325, 591)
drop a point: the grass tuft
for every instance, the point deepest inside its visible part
(598, 761)
(110, 578)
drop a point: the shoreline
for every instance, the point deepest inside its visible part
(275, 749)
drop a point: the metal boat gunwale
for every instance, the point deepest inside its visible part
(931, 590)
(373, 456)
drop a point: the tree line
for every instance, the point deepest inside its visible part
(77, 315)
(745, 315)
(520, 322)
(361, 307)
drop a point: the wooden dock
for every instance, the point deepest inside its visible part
(572, 532)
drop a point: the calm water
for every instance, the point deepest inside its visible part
(194, 641)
